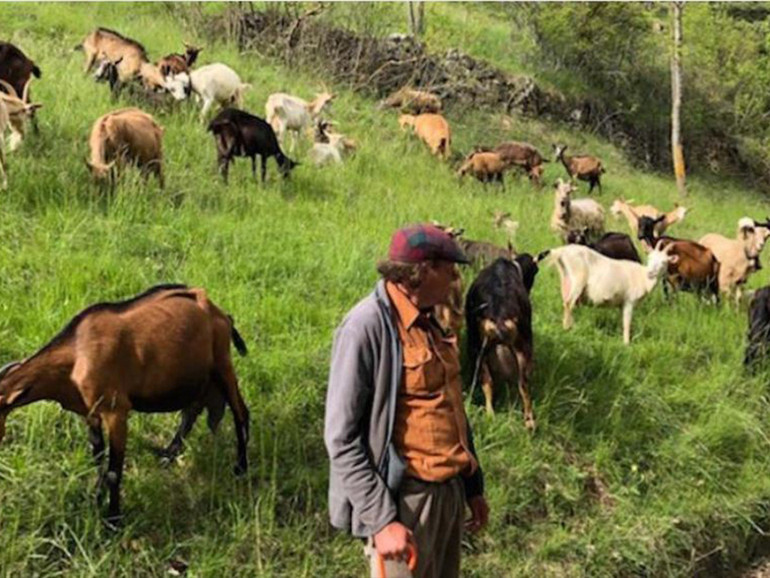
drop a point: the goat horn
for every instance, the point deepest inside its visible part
(7, 367)
(11, 90)
(25, 91)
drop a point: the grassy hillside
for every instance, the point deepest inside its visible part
(648, 460)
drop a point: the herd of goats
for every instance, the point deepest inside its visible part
(168, 349)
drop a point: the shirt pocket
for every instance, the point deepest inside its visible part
(417, 363)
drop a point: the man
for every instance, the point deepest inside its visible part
(403, 464)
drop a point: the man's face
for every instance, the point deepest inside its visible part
(436, 283)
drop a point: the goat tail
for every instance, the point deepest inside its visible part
(240, 344)
(443, 147)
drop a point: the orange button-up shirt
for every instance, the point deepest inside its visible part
(430, 427)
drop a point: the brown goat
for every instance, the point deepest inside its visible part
(692, 266)
(413, 101)
(524, 155)
(132, 57)
(126, 136)
(485, 166)
(167, 349)
(178, 63)
(433, 129)
(583, 167)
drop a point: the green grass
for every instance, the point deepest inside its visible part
(670, 426)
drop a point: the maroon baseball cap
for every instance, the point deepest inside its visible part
(423, 243)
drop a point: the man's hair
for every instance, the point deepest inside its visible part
(407, 274)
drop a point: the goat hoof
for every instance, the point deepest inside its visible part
(114, 522)
(240, 469)
(529, 423)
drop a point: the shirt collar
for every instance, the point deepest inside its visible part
(406, 310)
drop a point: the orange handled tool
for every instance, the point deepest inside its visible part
(411, 559)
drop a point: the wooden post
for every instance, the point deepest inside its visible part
(676, 99)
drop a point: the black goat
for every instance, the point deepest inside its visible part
(498, 315)
(17, 70)
(240, 134)
(759, 328)
(612, 245)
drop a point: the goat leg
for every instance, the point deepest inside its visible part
(117, 431)
(229, 383)
(263, 161)
(176, 446)
(487, 386)
(525, 370)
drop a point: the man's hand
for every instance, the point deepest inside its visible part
(479, 514)
(392, 542)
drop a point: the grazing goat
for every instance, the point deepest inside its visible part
(238, 133)
(583, 167)
(569, 214)
(178, 63)
(632, 214)
(479, 253)
(107, 71)
(18, 111)
(412, 101)
(693, 267)
(612, 245)
(329, 147)
(130, 54)
(499, 320)
(17, 70)
(167, 349)
(126, 136)
(211, 83)
(524, 155)
(737, 257)
(286, 113)
(432, 129)
(759, 328)
(485, 166)
(588, 275)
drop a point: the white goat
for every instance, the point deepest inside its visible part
(590, 275)
(285, 113)
(329, 147)
(575, 214)
(211, 83)
(737, 257)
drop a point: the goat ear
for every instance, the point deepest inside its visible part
(673, 259)
(13, 396)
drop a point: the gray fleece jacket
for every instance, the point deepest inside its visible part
(364, 380)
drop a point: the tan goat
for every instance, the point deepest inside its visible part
(413, 101)
(432, 129)
(19, 110)
(167, 349)
(126, 136)
(632, 213)
(737, 257)
(485, 166)
(130, 55)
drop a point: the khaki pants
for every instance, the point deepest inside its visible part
(435, 512)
